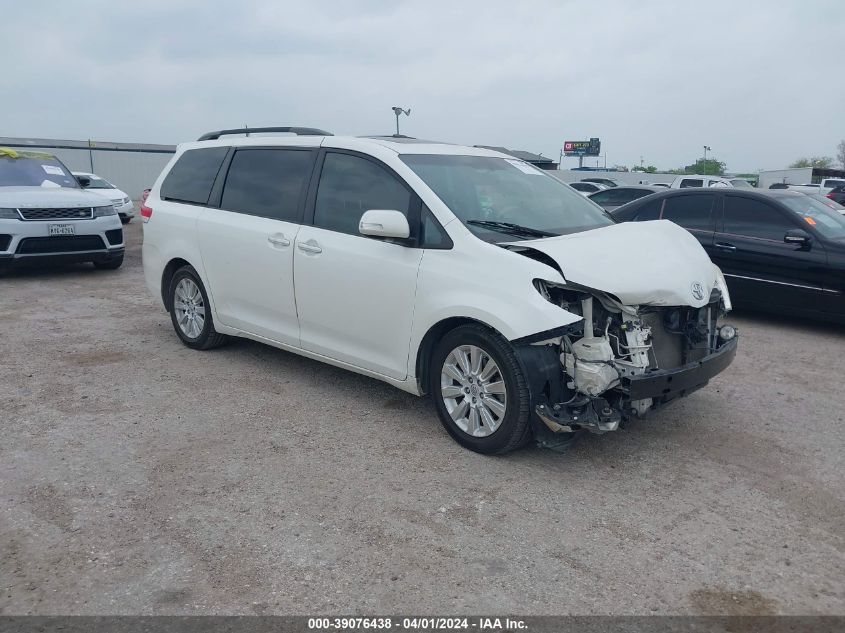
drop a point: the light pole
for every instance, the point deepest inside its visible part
(706, 149)
(397, 111)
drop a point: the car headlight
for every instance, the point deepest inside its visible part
(101, 212)
(126, 200)
(722, 285)
(9, 214)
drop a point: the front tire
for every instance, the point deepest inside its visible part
(479, 390)
(190, 311)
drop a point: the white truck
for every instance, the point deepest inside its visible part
(823, 188)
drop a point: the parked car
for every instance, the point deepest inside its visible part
(778, 185)
(586, 188)
(616, 197)
(522, 308)
(662, 185)
(696, 180)
(607, 182)
(122, 203)
(779, 250)
(44, 214)
(837, 194)
(823, 188)
(827, 200)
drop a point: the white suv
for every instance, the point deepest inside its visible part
(44, 214)
(521, 307)
(122, 202)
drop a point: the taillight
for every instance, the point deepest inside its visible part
(146, 212)
(830, 195)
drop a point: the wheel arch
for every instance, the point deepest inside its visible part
(167, 275)
(429, 340)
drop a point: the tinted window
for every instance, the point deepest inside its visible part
(433, 235)
(691, 182)
(690, 212)
(267, 182)
(603, 197)
(650, 210)
(746, 216)
(349, 186)
(192, 176)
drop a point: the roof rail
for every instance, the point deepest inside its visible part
(299, 131)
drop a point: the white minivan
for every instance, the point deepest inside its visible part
(523, 309)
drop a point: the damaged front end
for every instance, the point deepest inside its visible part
(620, 361)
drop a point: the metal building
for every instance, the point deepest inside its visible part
(131, 167)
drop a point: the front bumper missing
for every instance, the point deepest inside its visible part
(667, 384)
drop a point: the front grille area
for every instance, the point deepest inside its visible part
(66, 244)
(79, 213)
(115, 236)
(4, 241)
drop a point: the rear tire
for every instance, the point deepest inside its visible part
(190, 311)
(484, 407)
(111, 264)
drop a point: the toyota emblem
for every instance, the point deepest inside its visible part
(698, 291)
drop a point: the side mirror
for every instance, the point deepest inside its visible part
(799, 237)
(84, 181)
(384, 223)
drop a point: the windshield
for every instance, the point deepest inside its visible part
(98, 183)
(740, 183)
(33, 169)
(501, 199)
(829, 222)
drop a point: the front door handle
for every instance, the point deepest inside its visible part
(311, 246)
(724, 246)
(278, 239)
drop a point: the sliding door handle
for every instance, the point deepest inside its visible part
(311, 247)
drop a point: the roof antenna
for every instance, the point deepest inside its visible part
(397, 111)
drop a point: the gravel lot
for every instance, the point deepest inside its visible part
(141, 477)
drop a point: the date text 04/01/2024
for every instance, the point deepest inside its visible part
(428, 623)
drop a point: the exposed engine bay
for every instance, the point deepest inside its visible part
(621, 361)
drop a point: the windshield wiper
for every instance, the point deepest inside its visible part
(510, 227)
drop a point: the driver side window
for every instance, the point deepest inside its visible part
(351, 185)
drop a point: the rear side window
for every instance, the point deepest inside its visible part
(191, 178)
(753, 218)
(267, 182)
(690, 211)
(349, 186)
(691, 182)
(650, 210)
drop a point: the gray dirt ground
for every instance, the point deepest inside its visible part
(141, 477)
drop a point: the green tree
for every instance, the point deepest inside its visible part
(651, 169)
(816, 161)
(712, 166)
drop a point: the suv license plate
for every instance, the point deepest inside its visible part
(60, 229)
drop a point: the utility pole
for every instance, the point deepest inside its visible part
(706, 149)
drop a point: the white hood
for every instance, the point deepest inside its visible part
(48, 197)
(641, 263)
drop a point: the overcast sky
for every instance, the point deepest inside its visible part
(760, 82)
